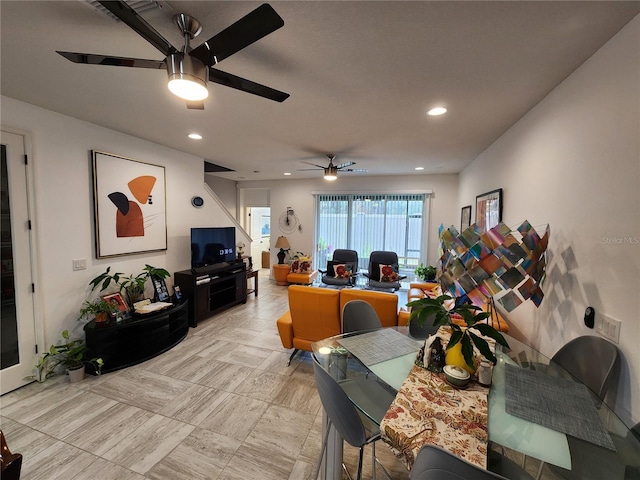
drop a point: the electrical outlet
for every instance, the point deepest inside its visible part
(79, 264)
(608, 327)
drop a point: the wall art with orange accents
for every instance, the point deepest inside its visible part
(129, 206)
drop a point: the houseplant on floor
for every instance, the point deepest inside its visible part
(462, 337)
(132, 285)
(69, 353)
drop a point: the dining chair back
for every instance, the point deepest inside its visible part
(343, 415)
(592, 360)
(433, 462)
(341, 256)
(359, 315)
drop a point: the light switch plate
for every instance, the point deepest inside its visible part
(608, 327)
(79, 264)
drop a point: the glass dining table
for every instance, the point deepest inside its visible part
(378, 370)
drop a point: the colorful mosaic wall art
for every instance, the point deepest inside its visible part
(504, 264)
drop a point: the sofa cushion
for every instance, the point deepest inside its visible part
(314, 314)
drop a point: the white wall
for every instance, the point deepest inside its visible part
(298, 194)
(225, 190)
(64, 207)
(574, 162)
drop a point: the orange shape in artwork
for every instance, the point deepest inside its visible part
(141, 187)
(131, 224)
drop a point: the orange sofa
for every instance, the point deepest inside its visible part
(316, 313)
(417, 291)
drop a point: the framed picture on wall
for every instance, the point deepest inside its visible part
(489, 209)
(129, 206)
(465, 218)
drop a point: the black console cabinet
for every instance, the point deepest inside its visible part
(212, 289)
(136, 339)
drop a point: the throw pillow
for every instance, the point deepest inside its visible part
(342, 270)
(389, 273)
(295, 266)
(305, 266)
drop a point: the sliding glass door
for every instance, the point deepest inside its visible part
(366, 223)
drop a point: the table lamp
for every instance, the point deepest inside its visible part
(283, 244)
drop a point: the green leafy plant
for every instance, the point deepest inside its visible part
(96, 308)
(427, 273)
(70, 353)
(132, 285)
(426, 307)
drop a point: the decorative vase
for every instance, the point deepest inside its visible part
(101, 317)
(76, 374)
(454, 357)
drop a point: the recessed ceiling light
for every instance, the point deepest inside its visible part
(195, 136)
(287, 173)
(437, 111)
(419, 168)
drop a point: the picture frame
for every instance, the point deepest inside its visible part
(129, 199)
(116, 300)
(489, 209)
(161, 293)
(465, 218)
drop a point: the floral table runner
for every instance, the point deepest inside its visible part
(427, 409)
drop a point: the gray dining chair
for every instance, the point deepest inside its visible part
(356, 429)
(359, 315)
(435, 463)
(595, 362)
(592, 360)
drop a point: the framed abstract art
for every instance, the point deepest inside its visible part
(489, 209)
(129, 206)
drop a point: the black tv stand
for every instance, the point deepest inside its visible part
(212, 288)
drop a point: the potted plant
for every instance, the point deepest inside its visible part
(132, 285)
(462, 337)
(99, 309)
(428, 273)
(69, 353)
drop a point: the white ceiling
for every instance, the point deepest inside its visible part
(361, 76)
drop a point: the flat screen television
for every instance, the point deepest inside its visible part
(212, 245)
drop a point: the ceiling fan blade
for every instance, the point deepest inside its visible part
(314, 165)
(233, 81)
(93, 59)
(129, 16)
(249, 29)
(344, 165)
(355, 170)
(195, 105)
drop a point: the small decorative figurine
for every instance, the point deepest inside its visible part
(436, 356)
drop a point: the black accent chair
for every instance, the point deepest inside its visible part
(376, 259)
(341, 256)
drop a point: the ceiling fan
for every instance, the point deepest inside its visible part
(331, 170)
(189, 69)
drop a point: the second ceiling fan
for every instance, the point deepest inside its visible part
(331, 170)
(189, 69)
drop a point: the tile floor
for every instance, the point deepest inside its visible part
(221, 405)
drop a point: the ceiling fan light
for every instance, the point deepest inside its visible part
(187, 77)
(330, 173)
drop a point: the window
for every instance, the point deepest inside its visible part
(366, 223)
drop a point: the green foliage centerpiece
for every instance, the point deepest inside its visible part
(472, 315)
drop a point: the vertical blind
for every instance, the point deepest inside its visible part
(366, 223)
